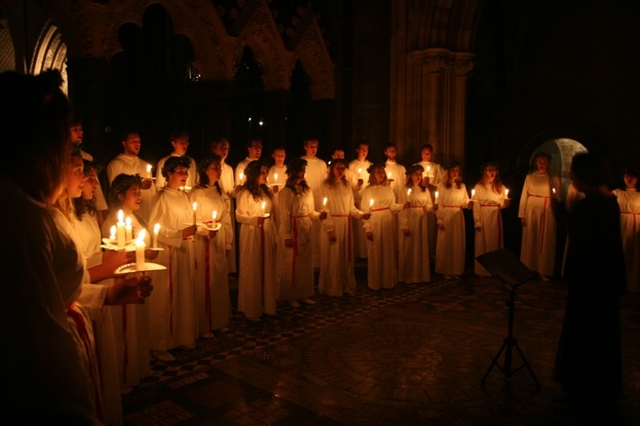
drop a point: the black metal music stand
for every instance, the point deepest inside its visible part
(505, 265)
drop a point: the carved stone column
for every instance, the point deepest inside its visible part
(462, 63)
(87, 78)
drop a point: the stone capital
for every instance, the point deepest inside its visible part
(463, 63)
(434, 59)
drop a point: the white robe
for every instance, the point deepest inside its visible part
(414, 249)
(358, 170)
(382, 266)
(212, 286)
(539, 235)
(629, 202)
(450, 250)
(89, 239)
(257, 289)
(131, 322)
(315, 176)
(131, 166)
(398, 175)
(227, 183)
(41, 360)
(172, 308)
(295, 214)
(337, 257)
(487, 219)
(436, 174)
(192, 179)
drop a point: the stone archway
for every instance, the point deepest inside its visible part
(50, 53)
(562, 151)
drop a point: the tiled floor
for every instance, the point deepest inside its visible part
(414, 355)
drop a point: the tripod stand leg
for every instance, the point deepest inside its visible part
(494, 362)
(526, 364)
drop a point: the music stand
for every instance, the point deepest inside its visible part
(505, 265)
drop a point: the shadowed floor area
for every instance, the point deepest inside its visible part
(414, 355)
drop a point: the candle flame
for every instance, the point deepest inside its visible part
(214, 215)
(371, 203)
(264, 205)
(120, 216)
(141, 235)
(195, 206)
(127, 221)
(506, 192)
(324, 201)
(554, 190)
(436, 195)
(156, 228)
(409, 191)
(275, 176)
(112, 232)
(148, 168)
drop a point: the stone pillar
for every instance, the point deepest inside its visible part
(462, 64)
(87, 77)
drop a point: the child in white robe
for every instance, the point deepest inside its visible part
(629, 202)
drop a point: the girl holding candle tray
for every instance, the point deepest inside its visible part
(212, 248)
(629, 202)
(489, 198)
(336, 243)
(296, 212)
(451, 243)
(257, 289)
(172, 311)
(541, 190)
(380, 201)
(414, 242)
(359, 178)
(130, 321)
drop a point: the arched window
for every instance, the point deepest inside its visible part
(562, 151)
(50, 53)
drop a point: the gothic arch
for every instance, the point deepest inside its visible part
(310, 49)
(194, 19)
(261, 35)
(50, 53)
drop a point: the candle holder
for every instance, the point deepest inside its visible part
(131, 268)
(213, 226)
(109, 244)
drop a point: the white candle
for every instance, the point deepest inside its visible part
(428, 170)
(195, 207)
(324, 202)
(389, 175)
(128, 229)
(156, 230)
(371, 204)
(112, 234)
(263, 206)
(214, 215)
(120, 233)
(149, 171)
(436, 196)
(140, 246)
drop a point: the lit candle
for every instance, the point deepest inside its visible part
(140, 246)
(241, 177)
(112, 234)
(182, 188)
(428, 169)
(371, 204)
(324, 202)
(195, 207)
(554, 191)
(506, 193)
(359, 173)
(263, 206)
(408, 192)
(128, 229)
(149, 171)
(156, 229)
(436, 196)
(275, 178)
(214, 215)
(120, 233)
(473, 193)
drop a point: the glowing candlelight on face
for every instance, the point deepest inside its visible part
(156, 230)
(112, 233)
(128, 230)
(195, 207)
(140, 246)
(120, 233)
(149, 171)
(436, 196)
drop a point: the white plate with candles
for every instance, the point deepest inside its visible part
(154, 248)
(111, 244)
(213, 226)
(130, 268)
(265, 215)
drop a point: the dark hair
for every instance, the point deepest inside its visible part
(252, 172)
(120, 186)
(592, 169)
(173, 163)
(178, 134)
(631, 171)
(203, 165)
(34, 123)
(411, 170)
(496, 185)
(458, 182)
(331, 179)
(371, 169)
(390, 145)
(361, 142)
(125, 133)
(427, 146)
(294, 167)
